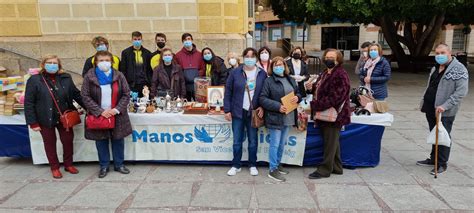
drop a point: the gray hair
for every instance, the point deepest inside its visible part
(444, 46)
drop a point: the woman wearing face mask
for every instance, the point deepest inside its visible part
(106, 93)
(242, 89)
(41, 112)
(214, 67)
(331, 90)
(298, 69)
(278, 120)
(233, 61)
(264, 55)
(168, 77)
(376, 72)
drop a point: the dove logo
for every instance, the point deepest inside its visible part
(208, 133)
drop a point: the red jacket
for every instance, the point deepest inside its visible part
(332, 93)
(191, 60)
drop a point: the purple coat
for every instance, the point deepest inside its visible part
(91, 96)
(332, 93)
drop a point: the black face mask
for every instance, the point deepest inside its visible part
(330, 63)
(297, 56)
(161, 44)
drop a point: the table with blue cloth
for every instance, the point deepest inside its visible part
(360, 141)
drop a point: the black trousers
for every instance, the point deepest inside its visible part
(332, 151)
(443, 151)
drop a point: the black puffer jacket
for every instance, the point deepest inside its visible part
(39, 106)
(270, 100)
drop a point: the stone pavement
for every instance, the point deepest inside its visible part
(397, 184)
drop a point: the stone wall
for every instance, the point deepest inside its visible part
(33, 28)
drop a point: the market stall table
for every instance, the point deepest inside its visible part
(205, 139)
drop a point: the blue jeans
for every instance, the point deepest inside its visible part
(278, 139)
(118, 152)
(239, 127)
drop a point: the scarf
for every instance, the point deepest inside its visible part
(104, 78)
(370, 65)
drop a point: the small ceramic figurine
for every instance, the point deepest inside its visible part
(134, 96)
(146, 92)
(150, 108)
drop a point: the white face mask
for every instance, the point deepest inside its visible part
(365, 54)
(264, 56)
(233, 61)
(104, 66)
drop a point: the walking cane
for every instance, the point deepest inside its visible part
(436, 147)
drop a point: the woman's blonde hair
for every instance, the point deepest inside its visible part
(50, 56)
(379, 48)
(232, 54)
(274, 61)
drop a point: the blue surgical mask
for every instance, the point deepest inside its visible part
(374, 54)
(279, 70)
(137, 43)
(250, 62)
(101, 47)
(167, 58)
(441, 59)
(207, 57)
(51, 68)
(188, 43)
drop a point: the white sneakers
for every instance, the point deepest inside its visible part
(253, 171)
(233, 171)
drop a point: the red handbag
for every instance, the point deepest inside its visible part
(100, 122)
(68, 118)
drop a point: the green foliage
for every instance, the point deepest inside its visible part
(369, 11)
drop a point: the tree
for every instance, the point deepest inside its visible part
(420, 20)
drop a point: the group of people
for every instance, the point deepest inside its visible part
(255, 86)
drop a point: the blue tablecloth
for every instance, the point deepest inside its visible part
(360, 144)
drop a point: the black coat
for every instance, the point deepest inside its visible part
(270, 100)
(127, 65)
(303, 72)
(39, 106)
(218, 71)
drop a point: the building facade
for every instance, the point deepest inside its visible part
(30, 29)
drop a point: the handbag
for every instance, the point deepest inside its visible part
(365, 96)
(328, 115)
(68, 118)
(257, 122)
(302, 120)
(100, 122)
(380, 106)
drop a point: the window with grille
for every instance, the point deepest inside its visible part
(458, 40)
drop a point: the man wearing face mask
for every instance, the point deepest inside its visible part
(376, 72)
(160, 40)
(135, 64)
(190, 59)
(100, 44)
(447, 85)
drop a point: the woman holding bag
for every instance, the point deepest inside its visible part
(242, 89)
(331, 93)
(376, 72)
(49, 95)
(278, 119)
(106, 96)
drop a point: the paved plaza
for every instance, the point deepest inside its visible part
(396, 184)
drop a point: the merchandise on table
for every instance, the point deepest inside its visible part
(200, 88)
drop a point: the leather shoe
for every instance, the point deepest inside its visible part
(56, 173)
(122, 170)
(71, 169)
(337, 172)
(316, 175)
(103, 172)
